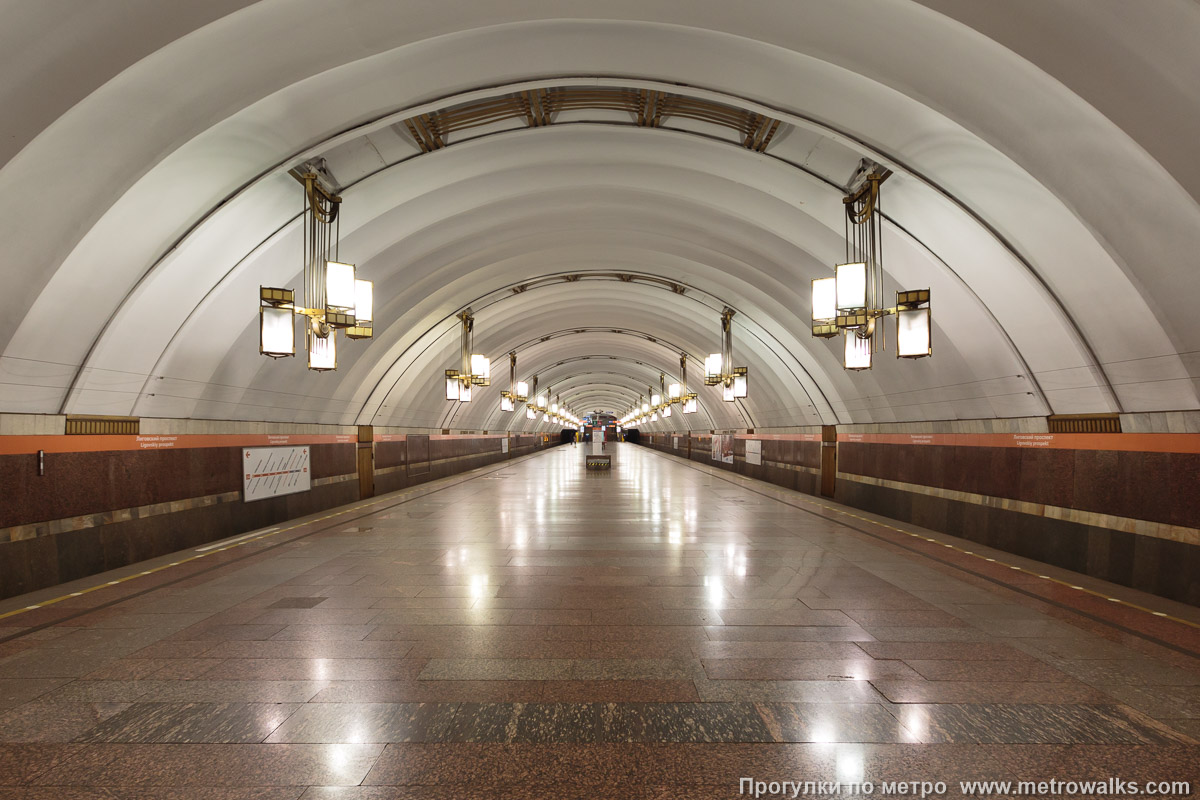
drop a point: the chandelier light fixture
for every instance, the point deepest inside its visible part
(517, 391)
(531, 408)
(678, 392)
(719, 369)
(334, 298)
(551, 411)
(850, 303)
(474, 370)
(663, 401)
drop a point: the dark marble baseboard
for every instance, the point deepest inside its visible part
(36, 563)
(1159, 566)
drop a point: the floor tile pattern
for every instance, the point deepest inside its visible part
(533, 630)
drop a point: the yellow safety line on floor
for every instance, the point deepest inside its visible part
(229, 546)
(1126, 603)
(1019, 569)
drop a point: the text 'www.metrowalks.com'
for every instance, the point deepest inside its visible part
(1109, 787)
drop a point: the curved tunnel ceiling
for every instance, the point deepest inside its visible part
(1052, 224)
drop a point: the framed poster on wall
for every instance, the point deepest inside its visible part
(274, 471)
(722, 448)
(754, 451)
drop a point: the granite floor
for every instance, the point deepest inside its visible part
(534, 630)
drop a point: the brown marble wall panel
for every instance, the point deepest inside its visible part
(1143, 485)
(333, 459)
(808, 454)
(48, 560)
(141, 478)
(27, 565)
(1047, 477)
(1097, 484)
(418, 454)
(79, 554)
(391, 482)
(390, 454)
(1159, 487)
(88, 483)
(1185, 489)
(1110, 555)
(1166, 568)
(775, 450)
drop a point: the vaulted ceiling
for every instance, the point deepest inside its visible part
(1044, 187)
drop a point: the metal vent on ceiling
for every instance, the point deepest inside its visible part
(1084, 423)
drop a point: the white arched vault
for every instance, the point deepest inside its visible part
(1048, 219)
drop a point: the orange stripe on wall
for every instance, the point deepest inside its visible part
(780, 437)
(1130, 442)
(22, 445)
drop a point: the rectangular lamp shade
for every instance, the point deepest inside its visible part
(712, 365)
(452, 387)
(912, 333)
(522, 389)
(727, 393)
(542, 400)
(666, 411)
(339, 285)
(689, 406)
(530, 413)
(364, 301)
(824, 299)
(276, 332)
(654, 417)
(506, 404)
(464, 393)
(851, 286)
(740, 386)
(674, 391)
(656, 399)
(554, 408)
(858, 352)
(322, 353)
(645, 408)
(481, 366)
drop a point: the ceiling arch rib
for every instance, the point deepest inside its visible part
(517, 105)
(664, 363)
(634, 380)
(438, 266)
(549, 359)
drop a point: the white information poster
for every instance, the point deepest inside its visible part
(272, 471)
(504, 445)
(675, 442)
(753, 451)
(722, 448)
(597, 446)
(598, 435)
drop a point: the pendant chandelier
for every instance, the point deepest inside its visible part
(551, 411)
(517, 391)
(850, 303)
(474, 369)
(678, 392)
(719, 369)
(661, 402)
(334, 298)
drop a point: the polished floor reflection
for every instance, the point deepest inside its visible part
(536, 630)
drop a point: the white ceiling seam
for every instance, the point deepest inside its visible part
(1134, 329)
